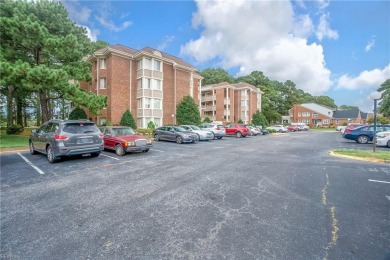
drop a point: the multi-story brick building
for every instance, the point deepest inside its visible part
(148, 82)
(226, 102)
(317, 115)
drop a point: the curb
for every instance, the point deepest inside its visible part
(373, 160)
(13, 150)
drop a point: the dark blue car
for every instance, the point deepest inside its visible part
(364, 134)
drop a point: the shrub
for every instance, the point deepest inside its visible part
(240, 121)
(77, 113)
(151, 125)
(128, 120)
(207, 120)
(14, 129)
(142, 131)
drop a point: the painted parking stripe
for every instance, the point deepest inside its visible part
(31, 164)
(379, 181)
(109, 157)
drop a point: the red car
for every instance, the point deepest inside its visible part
(239, 130)
(292, 128)
(123, 139)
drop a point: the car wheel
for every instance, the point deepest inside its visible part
(95, 154)
(119, 150)
(388, 144)
(213, 136)
(179, 140)
(32, 151)
(50, 155)
(156, 138)
(362, 139)
(147, 150)
(198, 137)
(219, 137)
(238, 134)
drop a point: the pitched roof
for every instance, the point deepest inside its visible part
(168, 56)
(319, 109)
(351, 113)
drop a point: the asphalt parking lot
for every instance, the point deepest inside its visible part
(258, 197)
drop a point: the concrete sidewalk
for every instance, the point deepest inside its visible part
(14, 149)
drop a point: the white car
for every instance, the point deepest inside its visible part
(203, 135)
(383, 139)
(341, 128)
(277, 128)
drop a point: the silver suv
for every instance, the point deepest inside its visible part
(58, 138)
(217, 130)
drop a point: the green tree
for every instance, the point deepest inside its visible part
(259, 119)
(214, 76)
(346, 107)
(240, 121)
(77, 113)
(207, 120)
(128, 120)
(42, 50)
(384, 105)
(187, 112)
(379, 120)
(151, 125)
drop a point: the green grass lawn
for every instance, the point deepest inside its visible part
(323, 129)
(381, 155)
(10, 141)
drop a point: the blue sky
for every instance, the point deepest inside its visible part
(336, 48)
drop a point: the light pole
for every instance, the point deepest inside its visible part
(173, 119)
(375, 96)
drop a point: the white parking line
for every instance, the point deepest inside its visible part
(31, 164)
(109, 157)
(379, 181)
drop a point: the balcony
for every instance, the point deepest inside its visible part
(226, 101)
(208, 98)
(208, 108)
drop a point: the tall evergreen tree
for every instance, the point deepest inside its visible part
(42, 50)
(77, 113)
(384, 105)
(187, 112)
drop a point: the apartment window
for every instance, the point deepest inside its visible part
(307, 122)
(157, 103)
(147, 102)
(103, 83)
(326, 121)
(299, 114)
(139, 103)
(103, 121)
(315, 115)
(157, 65)
(305, 114)
(102, 63)
(148, 83)
(157, 122)
(139, 84)
(337, 122)
(147, 64)
(139, 65)
(157, 84)
(244, 103)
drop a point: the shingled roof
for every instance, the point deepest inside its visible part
(352, 113)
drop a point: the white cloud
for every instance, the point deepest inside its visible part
(370, 44)
(167, 39)
(76, 12)
(109, 24)
(92, 35)
(366, 79)
(260, 35)
(324, 30)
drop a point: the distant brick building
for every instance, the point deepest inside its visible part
(225, 102)
(318, 115)
(148, 82)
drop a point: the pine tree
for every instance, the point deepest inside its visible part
(187, 112)
(259, 119)
(128, 120)
(77, 113)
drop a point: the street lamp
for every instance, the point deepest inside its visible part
(173, 119)
(375, 96)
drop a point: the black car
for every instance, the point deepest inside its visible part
(59, 138)
(174, 133)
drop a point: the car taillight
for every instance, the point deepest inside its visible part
(101, 135)
(61, 137)
(218, 128)
(347, 131)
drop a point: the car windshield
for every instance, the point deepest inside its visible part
(194, 127)
(179, 129)
(80, 128)
(122, 131)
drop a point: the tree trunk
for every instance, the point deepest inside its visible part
(45, 109)
(19, 110)
(25, 115)
(10, 111)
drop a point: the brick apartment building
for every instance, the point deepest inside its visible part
(148, 82)
(317, 115)
(225, 102)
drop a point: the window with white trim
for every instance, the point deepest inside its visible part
(305, 114)
(147, 64)
(157, 103)
(102, 64)
(103, 83)
(148, 83)
(139, 65)
(315, 115)
(326, 121)
(147, 102)
(157, 65)
(306, 121)
(157, 84)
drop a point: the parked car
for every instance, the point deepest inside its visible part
(262, 131)
(383, 138)
(123, 139)
(293, 128)
(364, 134)
(278, 128)
(301, 126)
(203, 135)
(239, 130)
(174, 133)
(351, 126)
(217, 130)
(341, 128)
(59, 138)
(255, 130)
